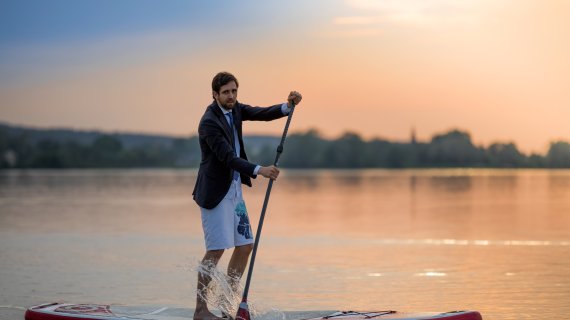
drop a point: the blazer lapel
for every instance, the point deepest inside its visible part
(222, 120)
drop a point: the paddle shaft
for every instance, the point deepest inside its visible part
(265, 202)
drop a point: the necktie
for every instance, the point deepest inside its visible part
(231, 121)
(236, 142)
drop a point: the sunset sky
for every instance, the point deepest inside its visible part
(499, 69)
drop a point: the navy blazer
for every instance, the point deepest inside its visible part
(218, 156)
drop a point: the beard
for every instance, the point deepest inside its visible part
(228, 105)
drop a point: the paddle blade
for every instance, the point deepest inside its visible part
(243, 311)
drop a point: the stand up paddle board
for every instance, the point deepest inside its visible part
(68, 311)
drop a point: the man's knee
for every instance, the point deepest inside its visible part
(245, 249)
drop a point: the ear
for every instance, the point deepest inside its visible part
(215, 95)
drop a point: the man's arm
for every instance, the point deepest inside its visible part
(267, 114)
(271, 113)
(261, 113)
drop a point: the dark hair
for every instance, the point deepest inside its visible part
(221, 79)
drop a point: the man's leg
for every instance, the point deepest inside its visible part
(237, 264)
(209, 262)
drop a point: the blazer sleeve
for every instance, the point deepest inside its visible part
(215, 139)
(261, 113)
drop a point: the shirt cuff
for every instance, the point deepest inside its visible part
(285, 108)
(256, 170)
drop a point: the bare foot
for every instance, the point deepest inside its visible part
(205, 315)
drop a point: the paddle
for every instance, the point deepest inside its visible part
(243, 311)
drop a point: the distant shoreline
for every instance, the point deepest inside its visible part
(26, 148)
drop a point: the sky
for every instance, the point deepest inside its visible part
(498, 69)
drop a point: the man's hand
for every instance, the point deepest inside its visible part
(270, 172)
(294, 96)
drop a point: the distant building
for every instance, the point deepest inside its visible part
(413, 136)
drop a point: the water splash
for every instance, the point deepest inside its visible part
(225, 293)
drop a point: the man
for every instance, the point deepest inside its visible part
(224, 167)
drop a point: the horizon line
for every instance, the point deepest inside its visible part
(411, 139)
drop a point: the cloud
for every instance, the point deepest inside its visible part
(355, 20)
(409, 12)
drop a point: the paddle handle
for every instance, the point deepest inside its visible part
(265, 202)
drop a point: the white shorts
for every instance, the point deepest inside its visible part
(227, 225)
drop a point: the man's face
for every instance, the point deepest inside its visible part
(228, 95)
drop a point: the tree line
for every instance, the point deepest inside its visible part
(450, 149)
(302, 150)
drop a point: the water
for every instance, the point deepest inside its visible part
(497, 241)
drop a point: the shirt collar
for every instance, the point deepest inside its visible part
(224, 111)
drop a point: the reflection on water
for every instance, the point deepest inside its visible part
(493, 240)
(451, 184)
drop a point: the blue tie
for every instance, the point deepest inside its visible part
(236, 142)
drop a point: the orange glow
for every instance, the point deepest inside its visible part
(498, 70)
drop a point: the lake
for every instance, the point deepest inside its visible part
(496, 241)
